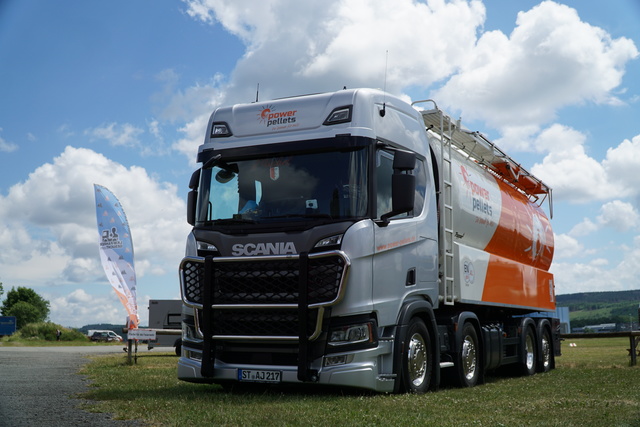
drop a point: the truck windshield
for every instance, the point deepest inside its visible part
(330, 185)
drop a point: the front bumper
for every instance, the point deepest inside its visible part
(368, 369)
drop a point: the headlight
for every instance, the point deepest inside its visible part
(188, 332)
(350, 334)
(329, 241)
(208, 247)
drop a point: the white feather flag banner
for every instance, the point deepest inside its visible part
(116, 250)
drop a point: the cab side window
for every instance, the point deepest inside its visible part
(384, 171)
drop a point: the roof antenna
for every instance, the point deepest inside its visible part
(384, 104)
(257, 92)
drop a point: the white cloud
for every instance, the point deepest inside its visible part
(125, 135)
(618, 215)
(193, 136)
(334, 43)
(566, 246)
(78, 306)
(617, 272)
(573, 175)
(176, 104)
(65, 131)
(621, 216)
(583, 228)
(623, 163)
(550, 60)
(49, 222)
(357, 33)
(6, 146)
(295, 47)
(588, 277)
(579, 178)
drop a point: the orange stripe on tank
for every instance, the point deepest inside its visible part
(523, 233)
(517, 284)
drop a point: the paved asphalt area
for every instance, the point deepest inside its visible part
(39, 387)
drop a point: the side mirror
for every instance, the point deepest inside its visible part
(192, 197)
(403, 161)
(195, 180)
(403, 185)
(403, 192)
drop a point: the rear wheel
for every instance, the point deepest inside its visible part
(468, 358)
(528, 355)
(417, 359)
(546, 352)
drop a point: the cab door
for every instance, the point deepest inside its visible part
(396, 267)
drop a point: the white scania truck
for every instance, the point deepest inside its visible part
(350, 239)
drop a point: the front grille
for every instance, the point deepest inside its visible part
(191, 278)
(264, 281)
(266, 291)
(259, 322)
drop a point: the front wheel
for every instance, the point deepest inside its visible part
(417, 358)
(468, 358)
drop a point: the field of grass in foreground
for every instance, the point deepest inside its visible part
(592, 385)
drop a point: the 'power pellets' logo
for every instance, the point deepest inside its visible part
(270, 117)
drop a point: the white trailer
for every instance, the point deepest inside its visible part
(165, 317)
(349, 239)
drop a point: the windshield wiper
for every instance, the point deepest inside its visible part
(311, 215)
(233, 221)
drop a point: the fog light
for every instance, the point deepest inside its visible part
(338, 360)
(194, 355)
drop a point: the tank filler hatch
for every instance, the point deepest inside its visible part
(487, 154)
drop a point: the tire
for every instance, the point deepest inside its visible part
(468, 366)
(546, 361)
(417, 358)
(529, 353)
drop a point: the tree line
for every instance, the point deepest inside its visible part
(25, 305)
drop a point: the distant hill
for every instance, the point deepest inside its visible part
(594, 308)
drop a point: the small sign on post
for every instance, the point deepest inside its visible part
(137, 335)
(141, 334)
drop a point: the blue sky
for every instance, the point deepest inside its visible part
(118, 94)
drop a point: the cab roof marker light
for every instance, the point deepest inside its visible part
(220, 130)
(339, 115)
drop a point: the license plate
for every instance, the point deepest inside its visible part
(259, 376)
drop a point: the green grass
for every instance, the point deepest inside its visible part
(591, 386)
